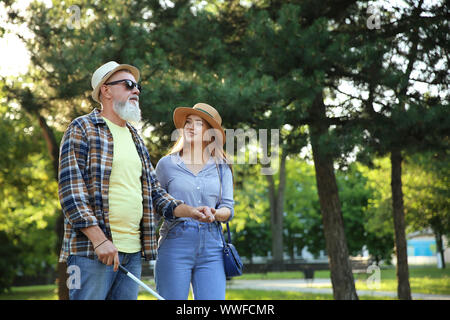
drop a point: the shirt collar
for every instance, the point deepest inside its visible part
(95, 117)
(180, 162)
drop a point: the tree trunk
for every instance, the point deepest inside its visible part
(440, 247)
(330, 206)
(276, 200)
(403, 289)
(53, 150)
(52, 145)
(63, 290)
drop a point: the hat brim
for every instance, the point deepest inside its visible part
(134, 71)
(181, 113)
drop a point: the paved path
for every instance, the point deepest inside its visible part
(320, 286)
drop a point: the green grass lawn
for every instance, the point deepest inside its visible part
(44, 292)
(48, 292)
(248, 294)
(428, 280)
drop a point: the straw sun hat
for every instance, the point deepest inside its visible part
(204, 111)
(103, 73)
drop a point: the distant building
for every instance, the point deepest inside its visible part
(422, 248)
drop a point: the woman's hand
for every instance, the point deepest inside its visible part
(210, 214)
(223, 214)
(202, 213)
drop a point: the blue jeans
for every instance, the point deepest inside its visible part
(191, 253)
(97, 281)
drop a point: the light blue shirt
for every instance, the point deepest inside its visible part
(202, 189)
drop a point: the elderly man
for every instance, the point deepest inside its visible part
(109, 192)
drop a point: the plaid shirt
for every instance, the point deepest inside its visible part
(85, 165)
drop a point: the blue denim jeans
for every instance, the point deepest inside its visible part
(98, 281)
(191, 253)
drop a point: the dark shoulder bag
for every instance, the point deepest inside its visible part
(232, 262)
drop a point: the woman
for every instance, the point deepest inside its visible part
(195, 171)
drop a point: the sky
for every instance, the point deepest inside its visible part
(14, 57)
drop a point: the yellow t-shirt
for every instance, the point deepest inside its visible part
(125, 191)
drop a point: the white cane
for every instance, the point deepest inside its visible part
(139, 282)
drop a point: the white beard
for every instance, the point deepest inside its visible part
(128, 110)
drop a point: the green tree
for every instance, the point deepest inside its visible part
(250, 225)
(355, 197)
(303, 221)
(28, 205)
(397, 118)
(303, 211)
(378, 216)
(272, 64)
(426, 200)
(427, 195)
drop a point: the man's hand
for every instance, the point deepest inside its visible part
(107, 253)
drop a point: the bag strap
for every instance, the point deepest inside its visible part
(219, 171)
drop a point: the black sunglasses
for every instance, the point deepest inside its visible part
(129, 84)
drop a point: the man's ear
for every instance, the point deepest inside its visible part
(105, 93)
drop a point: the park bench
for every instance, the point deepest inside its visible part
(360, 266)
